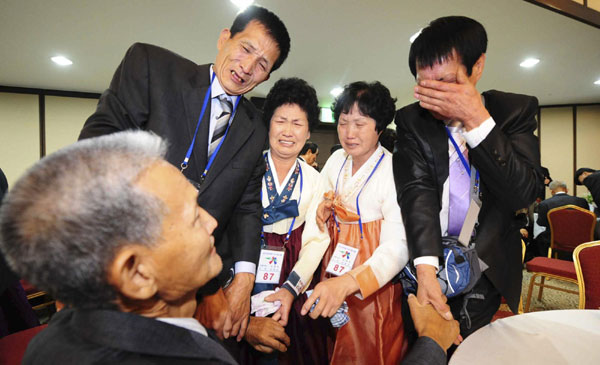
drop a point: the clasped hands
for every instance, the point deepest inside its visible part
(429, 292)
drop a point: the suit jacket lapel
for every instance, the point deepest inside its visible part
(241, 129)
(193, 95)
(438, 140)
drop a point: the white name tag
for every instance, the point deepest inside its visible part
(467, 229)
(270, 264)
(342, 259)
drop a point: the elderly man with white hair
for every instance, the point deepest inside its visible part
(113, 231)
(559, 197)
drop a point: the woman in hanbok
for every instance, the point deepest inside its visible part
(354, 233)
(289, 185)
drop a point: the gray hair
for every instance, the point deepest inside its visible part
(556, 184)
(67, 216)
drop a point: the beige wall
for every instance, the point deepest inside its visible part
(588, 140)
(64, 119)
(594, 4)
(556, 144)
(19, 134)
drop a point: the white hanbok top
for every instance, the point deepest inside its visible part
(377, 202)
(310, 181)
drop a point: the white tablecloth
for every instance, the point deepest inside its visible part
(548, 337)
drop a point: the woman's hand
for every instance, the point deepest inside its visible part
(331, 294)
(324, 210)
(286, 298)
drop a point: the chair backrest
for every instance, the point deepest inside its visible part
(570, 226)
(587, 266)
(12, 347)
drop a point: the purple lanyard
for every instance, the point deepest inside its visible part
(463, 160)
(359, 192)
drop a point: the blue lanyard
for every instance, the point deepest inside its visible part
(287, 236)
(462, 158)
(359, 192)
(184, 164)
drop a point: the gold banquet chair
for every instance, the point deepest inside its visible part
(570, 226)
(586, 258)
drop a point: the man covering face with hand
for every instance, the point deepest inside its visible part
(493, 133)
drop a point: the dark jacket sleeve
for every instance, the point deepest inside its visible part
(582, 203)
(124, 105)
(509, 157)
(6, 275)
(425, 352)
(417, 192)
(244, 227)
(542, 219)
(592, 182)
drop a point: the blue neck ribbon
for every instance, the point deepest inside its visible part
(280, 205)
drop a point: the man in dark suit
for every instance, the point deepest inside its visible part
(559, 191)
(115, 233)
(494, 132)
(191, 107)
(591, 179)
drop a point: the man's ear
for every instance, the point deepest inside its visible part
(131, 273)
(477, 70)
(223, 37)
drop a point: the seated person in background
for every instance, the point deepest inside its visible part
(436, 335)
(559, 191)
(113, 231)
(355, 227)
(309, 153)
(334, 148)
(591, 179)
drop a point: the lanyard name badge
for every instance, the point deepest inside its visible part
(270, 262)
(186, 160)
(475, 203)
(344, 255)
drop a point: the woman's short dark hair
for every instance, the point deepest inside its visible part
(373, 99)
(293, 91)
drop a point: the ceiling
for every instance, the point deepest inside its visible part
(333, 42)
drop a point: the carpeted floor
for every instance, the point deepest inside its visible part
(551, 299)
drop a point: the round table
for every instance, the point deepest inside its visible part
(548, 337)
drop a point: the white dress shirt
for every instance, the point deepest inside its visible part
(190, 324)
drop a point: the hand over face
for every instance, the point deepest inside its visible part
(446, 91)
(238, 298)
(429, 323)
(266, 335)
(331, 294)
